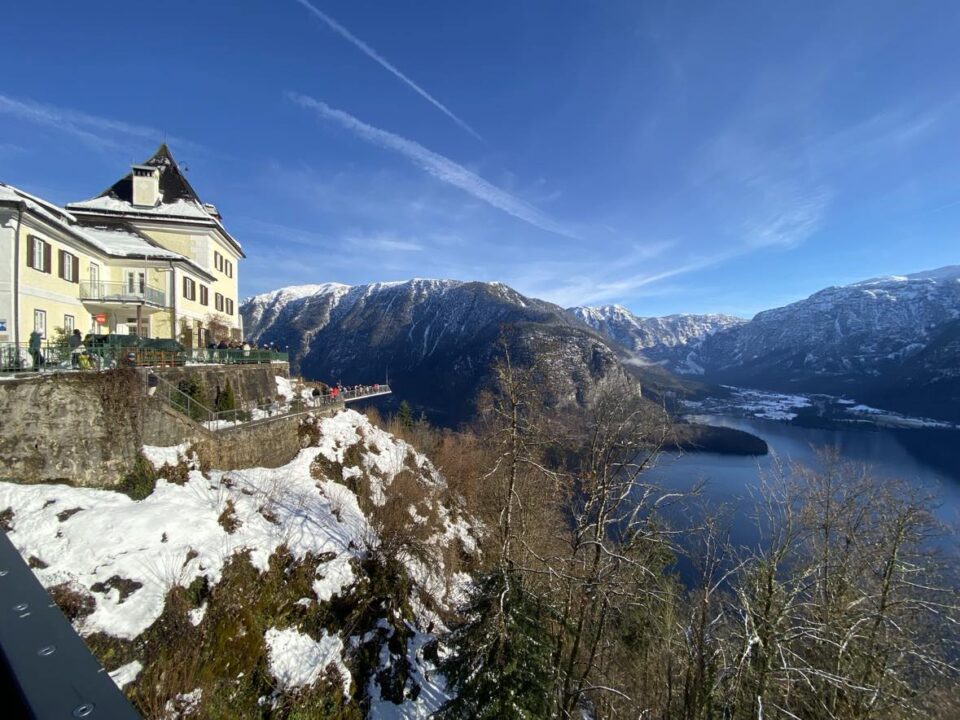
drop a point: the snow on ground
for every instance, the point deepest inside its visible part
(754, 403)
(745, 402)
(433, 686)
(126, 674)
(333, 577)
(88, 536)
(285, 388)
(160, 456)
(149, 541)
(297, 660)
(889, 418)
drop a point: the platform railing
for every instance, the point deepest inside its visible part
(122, 293)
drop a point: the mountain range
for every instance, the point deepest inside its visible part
(892, 342)
(435, 339)
(671, 341)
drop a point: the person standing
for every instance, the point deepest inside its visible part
(34, 348)
(75, 341)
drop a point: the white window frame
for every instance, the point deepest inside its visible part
(38, 254)
(40, 322)
(68, 259)
(139, 284)
(69, 324)
(218, 302)
(93, 273)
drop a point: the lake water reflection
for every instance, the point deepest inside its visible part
(927, 459)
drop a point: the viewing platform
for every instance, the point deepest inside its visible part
(102, 353)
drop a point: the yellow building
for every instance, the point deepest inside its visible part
(147, 256)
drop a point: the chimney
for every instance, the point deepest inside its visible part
(146, 185)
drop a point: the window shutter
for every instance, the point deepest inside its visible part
(184, 287)
(47, 251)
(61, 256)
(76, 269)
(30, 260)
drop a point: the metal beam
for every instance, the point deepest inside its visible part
(47, 670)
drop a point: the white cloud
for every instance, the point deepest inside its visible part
(386, 65)
(98, 132)
(438, 166)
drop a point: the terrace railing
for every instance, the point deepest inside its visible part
(172, 395)
(233, 356)
(123, 293)
(55, 357)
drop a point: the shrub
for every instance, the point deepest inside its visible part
(140, 481)
(192, 388)
(73, 602)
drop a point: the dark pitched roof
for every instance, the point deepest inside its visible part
(173, 184)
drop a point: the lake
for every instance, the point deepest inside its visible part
(925, 458)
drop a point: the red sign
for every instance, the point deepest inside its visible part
(101, 319)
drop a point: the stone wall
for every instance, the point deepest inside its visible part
(251, 384)
(269, 444)
(264, 443)
(66, 428)
(87, 429)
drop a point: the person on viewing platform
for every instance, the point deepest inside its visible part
(246, 349)
(75, 342)
(34, 348)
(152, 382)
(222, 345)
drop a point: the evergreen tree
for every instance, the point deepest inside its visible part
(226, 401)
(500, 665)
(405, 415)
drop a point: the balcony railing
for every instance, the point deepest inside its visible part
(121, 292)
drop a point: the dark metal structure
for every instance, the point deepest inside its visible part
(46, 670)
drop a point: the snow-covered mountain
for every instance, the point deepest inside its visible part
(435, 338)
(671, 341)
(891, 340)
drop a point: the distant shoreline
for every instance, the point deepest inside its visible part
(698, 437)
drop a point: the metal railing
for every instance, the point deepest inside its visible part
(233, 356)
(46, 357)
(120, 292)
(176, 397)
(56, 357)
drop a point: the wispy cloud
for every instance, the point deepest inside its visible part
(438, 166)
(92, 130)
(386, 65)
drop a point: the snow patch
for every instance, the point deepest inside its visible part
(161, 456)
(297, 660)
(126, 674)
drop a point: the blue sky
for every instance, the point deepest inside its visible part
(669, 156)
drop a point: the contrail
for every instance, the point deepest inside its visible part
(438, 166)
(383, 62)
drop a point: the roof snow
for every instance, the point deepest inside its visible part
(179, 208)
(126, 244)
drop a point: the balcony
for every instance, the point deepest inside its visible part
(120, 293)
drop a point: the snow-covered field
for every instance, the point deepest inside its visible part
(752, 403)
(85, 537)
(745, 402)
